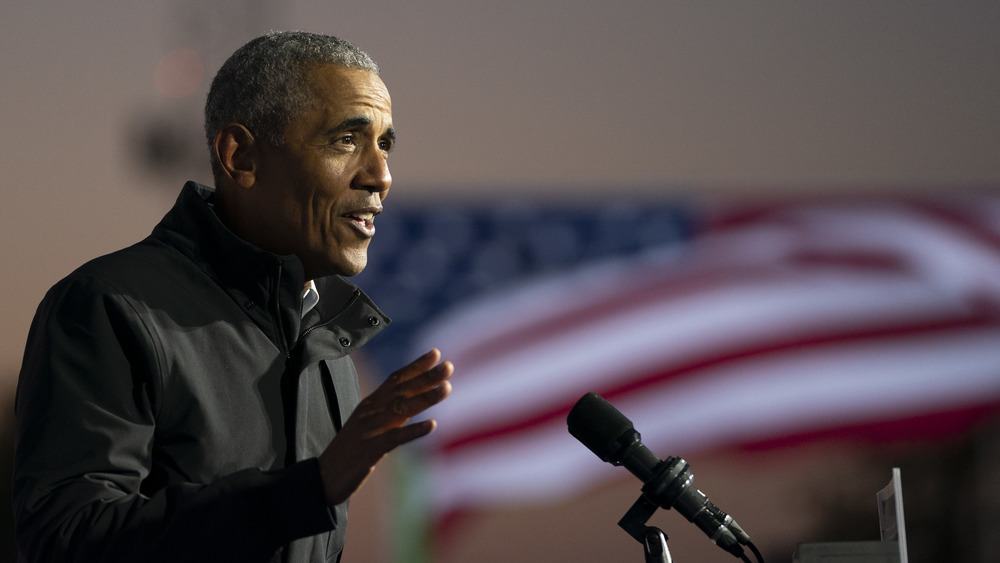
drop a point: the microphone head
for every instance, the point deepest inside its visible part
(601, 427)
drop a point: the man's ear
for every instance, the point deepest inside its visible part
(237, 152)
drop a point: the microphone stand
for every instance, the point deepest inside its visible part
(653, 540)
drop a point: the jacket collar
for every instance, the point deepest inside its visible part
(267, 286)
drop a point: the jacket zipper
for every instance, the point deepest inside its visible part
(276, 290)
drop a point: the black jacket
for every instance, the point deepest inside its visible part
(172, 402)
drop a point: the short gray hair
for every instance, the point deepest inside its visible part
(263, 85)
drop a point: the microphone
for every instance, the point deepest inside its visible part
(667, 483)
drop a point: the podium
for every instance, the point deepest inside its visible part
(890, 549)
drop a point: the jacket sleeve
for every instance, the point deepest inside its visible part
(85, 412)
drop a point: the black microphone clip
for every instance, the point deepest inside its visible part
(667, 483)
(670, 487)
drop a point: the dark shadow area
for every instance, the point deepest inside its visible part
(949, 493)
(8, 551)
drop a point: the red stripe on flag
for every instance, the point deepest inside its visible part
(932, 426)
(693, 367)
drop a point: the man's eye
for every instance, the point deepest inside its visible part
(385, 145)
(346, 140)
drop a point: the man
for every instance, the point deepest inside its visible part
(188, 398)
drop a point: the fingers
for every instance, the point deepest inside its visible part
(414, 381)
(404, 407)
(395, 437)
(417, 367)
(414, 388)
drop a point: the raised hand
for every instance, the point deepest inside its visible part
(379, 424)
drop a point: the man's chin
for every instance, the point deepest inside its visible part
(345, 268)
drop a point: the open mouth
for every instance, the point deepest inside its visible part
(363, 221)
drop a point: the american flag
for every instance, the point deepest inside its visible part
(707, 325)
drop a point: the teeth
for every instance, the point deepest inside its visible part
(367, 217)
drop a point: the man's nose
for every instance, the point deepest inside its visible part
(374, 174)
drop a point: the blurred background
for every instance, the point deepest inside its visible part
(769, 233)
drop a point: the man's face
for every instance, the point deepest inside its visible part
(319, 193)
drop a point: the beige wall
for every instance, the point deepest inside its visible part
(546, 100)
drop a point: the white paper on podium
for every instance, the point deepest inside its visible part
(890, 549)
(891, 522)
